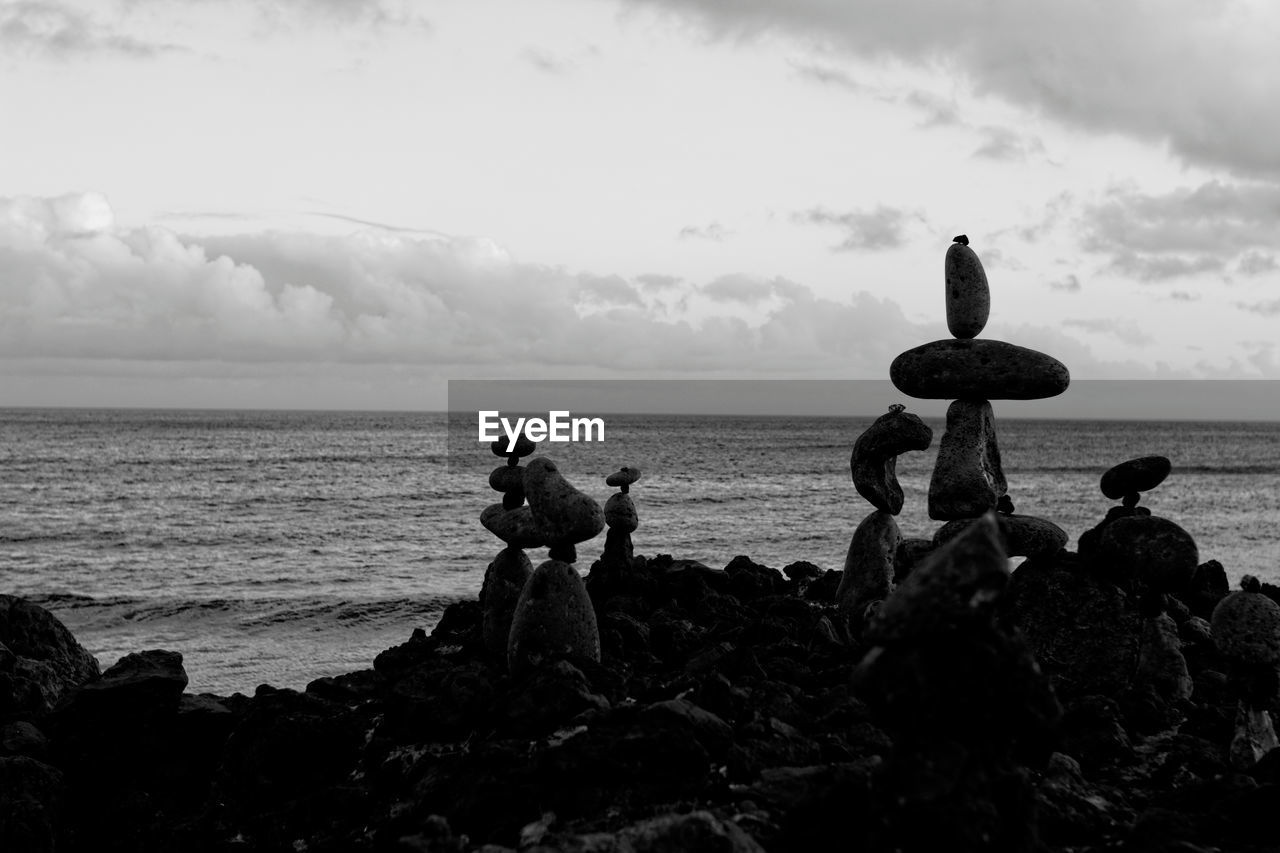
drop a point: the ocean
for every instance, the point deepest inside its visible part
(279, 547)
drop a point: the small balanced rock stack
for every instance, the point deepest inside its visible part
(869, 565)
(968, 479)
(621, 518)
(554, 617)
(513, 523)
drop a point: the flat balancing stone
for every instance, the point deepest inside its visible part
(980, 368)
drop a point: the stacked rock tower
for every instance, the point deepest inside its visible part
(968, 479)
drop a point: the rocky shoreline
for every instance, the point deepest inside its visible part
(732, 709)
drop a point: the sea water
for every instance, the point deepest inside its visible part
(280, 547)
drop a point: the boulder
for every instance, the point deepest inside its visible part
(553, 619)
(40, 661)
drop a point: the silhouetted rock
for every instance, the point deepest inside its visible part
(869, 564)
(967, 476)
(1136, 475)
(504, 580)
(553, 619)
(1152, 551)
(40, 660)
(873, 463)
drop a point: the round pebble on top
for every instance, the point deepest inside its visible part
(524, 447)
(624, 476)
(1246, 626)
(968, 297)
(1136, 475)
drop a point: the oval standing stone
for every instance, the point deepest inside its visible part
(1136, 475)
(564, 515)
(968, 294)
(868, 567)
(980, 368)
(968, 478)
(504, 580)
(620, 513)
(553, 619)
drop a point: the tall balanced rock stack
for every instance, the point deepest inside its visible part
(869, 565)
(554, 617)
(512, 522)
(968, 479)
(620, 515)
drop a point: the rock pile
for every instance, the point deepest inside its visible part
(968, 479)
(512, 522)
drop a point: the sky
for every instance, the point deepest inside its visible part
(346, 203)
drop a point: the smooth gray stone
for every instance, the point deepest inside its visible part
(620, 513)
(504, 580)
(869, 564)
(873, 463)
(980, 368)
(968, 295)
(1136, 475)
(624, 476)
(516, 526)
(1246, 627)
(553, 619)
(1022, 535)
(1153, 550)
(967, 477)
(565, 515)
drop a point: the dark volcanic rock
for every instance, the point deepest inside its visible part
(1022, 535)
(869, 564)
(564, 515)
(553, 619)
(504, 580)
(967, 478)
(1136, 475)
(980, 369)
(1081, 629)
(32, 806)
(43, 662)
(1152, 551)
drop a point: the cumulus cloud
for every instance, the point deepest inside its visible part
(1256, 263)
(1069, 283)
(1151, 71)
(828, 75)
(1188, 231)
(880, 228)
(56, 30)
(1269, 308)
(1006, 144)
(75, 285)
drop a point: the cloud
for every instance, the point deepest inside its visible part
(939, 111)
(1266, 309)
(1256, 263)
(880, 228)
(1005, 144)
(546, 61)
(75, 285)
(1187, 231)
(1068, 284)
(1126, 331)
(55, 30)
(714, 232)
(1203, 78)
(828, 76)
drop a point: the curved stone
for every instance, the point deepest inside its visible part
(624, 476)
(553, 619)
(620, 513)
(1246, 626)
(564, 515)
(1153, 550)
(516, 526)
(968, 295)
(979, 368)
(504, 580)
(873, 463)
(1136, 475)
(869, 564)
(1023, 535)
(967, 477)
(956, 585)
